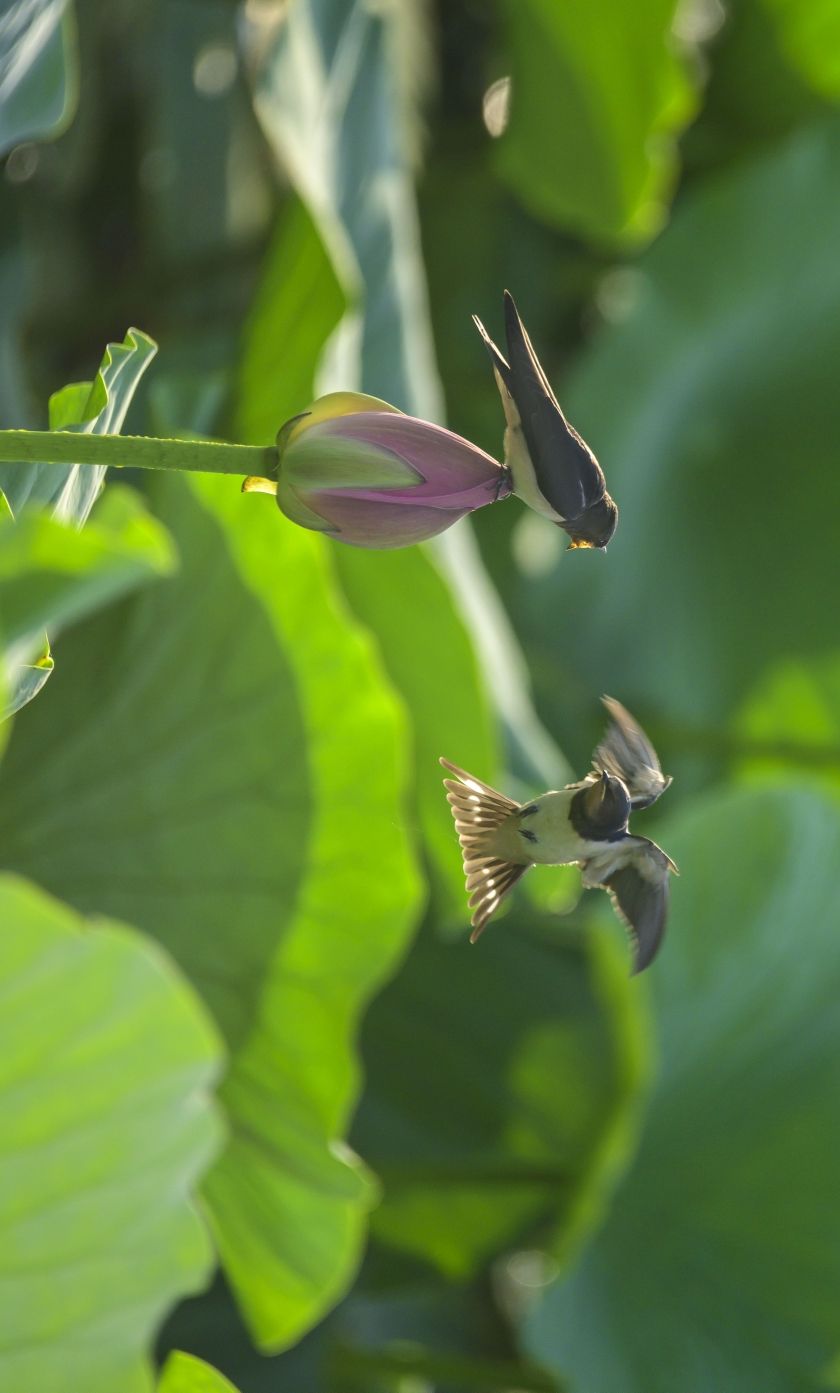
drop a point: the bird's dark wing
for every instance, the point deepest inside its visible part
(568, 474)
(626, 752)
(636, 876)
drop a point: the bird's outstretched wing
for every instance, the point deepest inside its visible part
(635, 873)
(626, 752)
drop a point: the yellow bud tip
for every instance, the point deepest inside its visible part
(254, 484)
(330, 407)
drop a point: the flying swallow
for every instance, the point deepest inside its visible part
(553, 469)
(584, 823)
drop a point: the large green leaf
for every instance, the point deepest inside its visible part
(52, 574)
(719, 1264)
(714, 411)
(220, 762)
(105, 1061)
(501, 1083)
(38, 77)
(598, 98)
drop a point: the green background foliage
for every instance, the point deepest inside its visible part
(268, 1120)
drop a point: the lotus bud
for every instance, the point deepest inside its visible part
(363, 472)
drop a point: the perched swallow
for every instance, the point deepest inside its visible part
(553, 469)
(583, 824)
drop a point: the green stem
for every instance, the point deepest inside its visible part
(136, 452)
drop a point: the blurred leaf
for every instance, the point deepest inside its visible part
(707, 407)
(719, 1264)
(792, 718)
(501, 1084)
(38, 70)
(296, 308)
(361, 1371)
(810, 37)
(211, 1327)
(220, 761)
(329, 100)
(202, 168)
(51, 574)
(401, 597)
(183, 1373)
(598, 99)
(105, 1060)
(741, 114)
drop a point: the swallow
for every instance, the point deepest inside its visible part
(553, 470)
(584, 824)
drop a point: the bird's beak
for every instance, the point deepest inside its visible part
(597, 793)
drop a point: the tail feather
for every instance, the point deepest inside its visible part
(499, 878)
(479, 811)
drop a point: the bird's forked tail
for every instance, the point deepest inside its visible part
(479, 812)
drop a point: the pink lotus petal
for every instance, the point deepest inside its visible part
(448, 463)
(382, 524)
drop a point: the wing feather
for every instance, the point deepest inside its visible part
(636, 875)
(626, 752)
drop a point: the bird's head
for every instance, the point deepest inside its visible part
(594, 527)
(601, 809)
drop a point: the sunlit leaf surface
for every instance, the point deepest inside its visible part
(183, 1373)
(106, 1056)
(235, 788)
